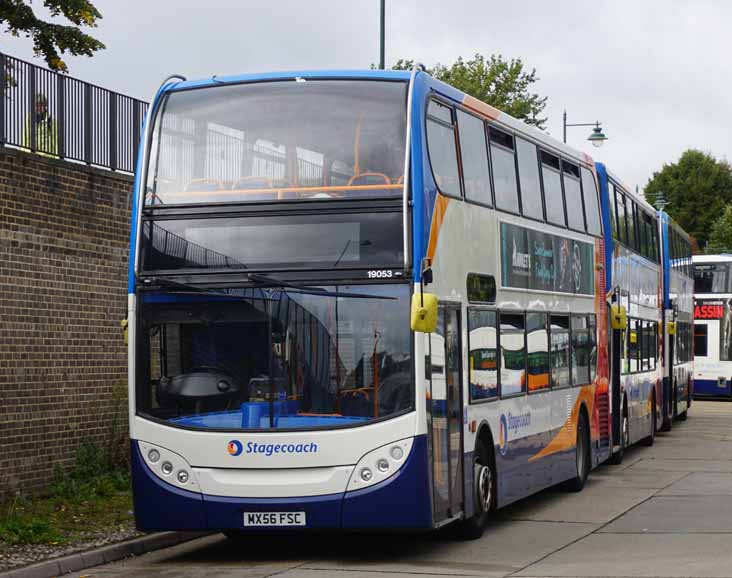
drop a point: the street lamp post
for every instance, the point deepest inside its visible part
(597, 137)
(382, 64)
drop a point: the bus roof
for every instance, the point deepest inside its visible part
(216, 80)
(724, 257)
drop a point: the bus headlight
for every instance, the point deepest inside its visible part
(379, 464)
(162, 462)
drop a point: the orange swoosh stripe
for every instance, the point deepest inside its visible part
(566, 437)
(481, 107)
(438, 215)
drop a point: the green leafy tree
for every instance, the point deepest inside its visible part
(720, 239)
(504, 84)
(51, 39)
(696, 189)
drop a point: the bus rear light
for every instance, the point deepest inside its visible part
(166, 468)
(182, 476)
(382, 465)
(366, 475)
(153, 456)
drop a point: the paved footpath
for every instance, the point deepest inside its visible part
(666, 511)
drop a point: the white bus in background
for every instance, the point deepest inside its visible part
(712, 325)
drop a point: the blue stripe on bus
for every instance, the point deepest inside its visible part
(666, 260)
(402, 501)
(606, 224)
(710, 387)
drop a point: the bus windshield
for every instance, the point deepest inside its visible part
(274, 358)
(269, 141)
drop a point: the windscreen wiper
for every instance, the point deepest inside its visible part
(297, 288)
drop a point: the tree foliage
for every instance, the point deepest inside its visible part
(720, 238)
(51, 39)
(697, 189)
(504, 84)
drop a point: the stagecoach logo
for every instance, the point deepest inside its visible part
(521, 261)
(234, 448)
(511, 424)
(503, 436)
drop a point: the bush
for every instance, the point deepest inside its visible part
(16, 530)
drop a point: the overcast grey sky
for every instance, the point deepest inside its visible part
(655, 72)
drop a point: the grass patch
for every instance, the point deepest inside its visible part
(93, 497)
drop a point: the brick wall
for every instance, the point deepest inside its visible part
(63, 273)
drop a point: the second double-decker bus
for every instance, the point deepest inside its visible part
(633, 284)
(712, 326)
(358, 300)
(678, 316)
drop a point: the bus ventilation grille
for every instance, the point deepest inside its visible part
(603, 410)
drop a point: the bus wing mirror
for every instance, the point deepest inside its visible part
(671, 327)
(424, 312)
(618, 317)
(123, 324)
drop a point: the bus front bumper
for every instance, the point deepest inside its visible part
(402, 501)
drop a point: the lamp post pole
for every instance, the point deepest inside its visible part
(382, 48)
(597, 137)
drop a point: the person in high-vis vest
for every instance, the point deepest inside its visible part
(46, 129)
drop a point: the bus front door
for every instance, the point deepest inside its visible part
(446, 408)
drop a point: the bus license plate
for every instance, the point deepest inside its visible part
(274, 518)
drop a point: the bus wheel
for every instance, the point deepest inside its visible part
(651, 437)
(617, 458)
(582, 456)
(484, 486)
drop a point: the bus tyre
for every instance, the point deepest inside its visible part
(484, 488)
(617, 458)
(582, 456)
(651, 437)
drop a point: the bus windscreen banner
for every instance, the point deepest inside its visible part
(718, 310)
(541, 261)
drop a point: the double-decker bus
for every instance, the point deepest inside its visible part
(678, 316)
(358, 300)
(633, 285)
(712, 325)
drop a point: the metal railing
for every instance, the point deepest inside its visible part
(58, 116)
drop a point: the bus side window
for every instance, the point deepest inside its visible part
(551, 178)
(630, 220)
(592, 326)
(512, 371)
(537, 343)
(529, 179)
(482, 354)
(592, 208)
(441, 145)
(474, 156)
(503, 162)
(573, 196)
(560, 351)
(580, 350)
(700, 339)
(622, 224)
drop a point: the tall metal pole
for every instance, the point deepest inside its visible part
(381, 53)
(565, 125)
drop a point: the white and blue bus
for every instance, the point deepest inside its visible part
(358, 300)
(712, 326)
(678, 315)
(633, 284)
